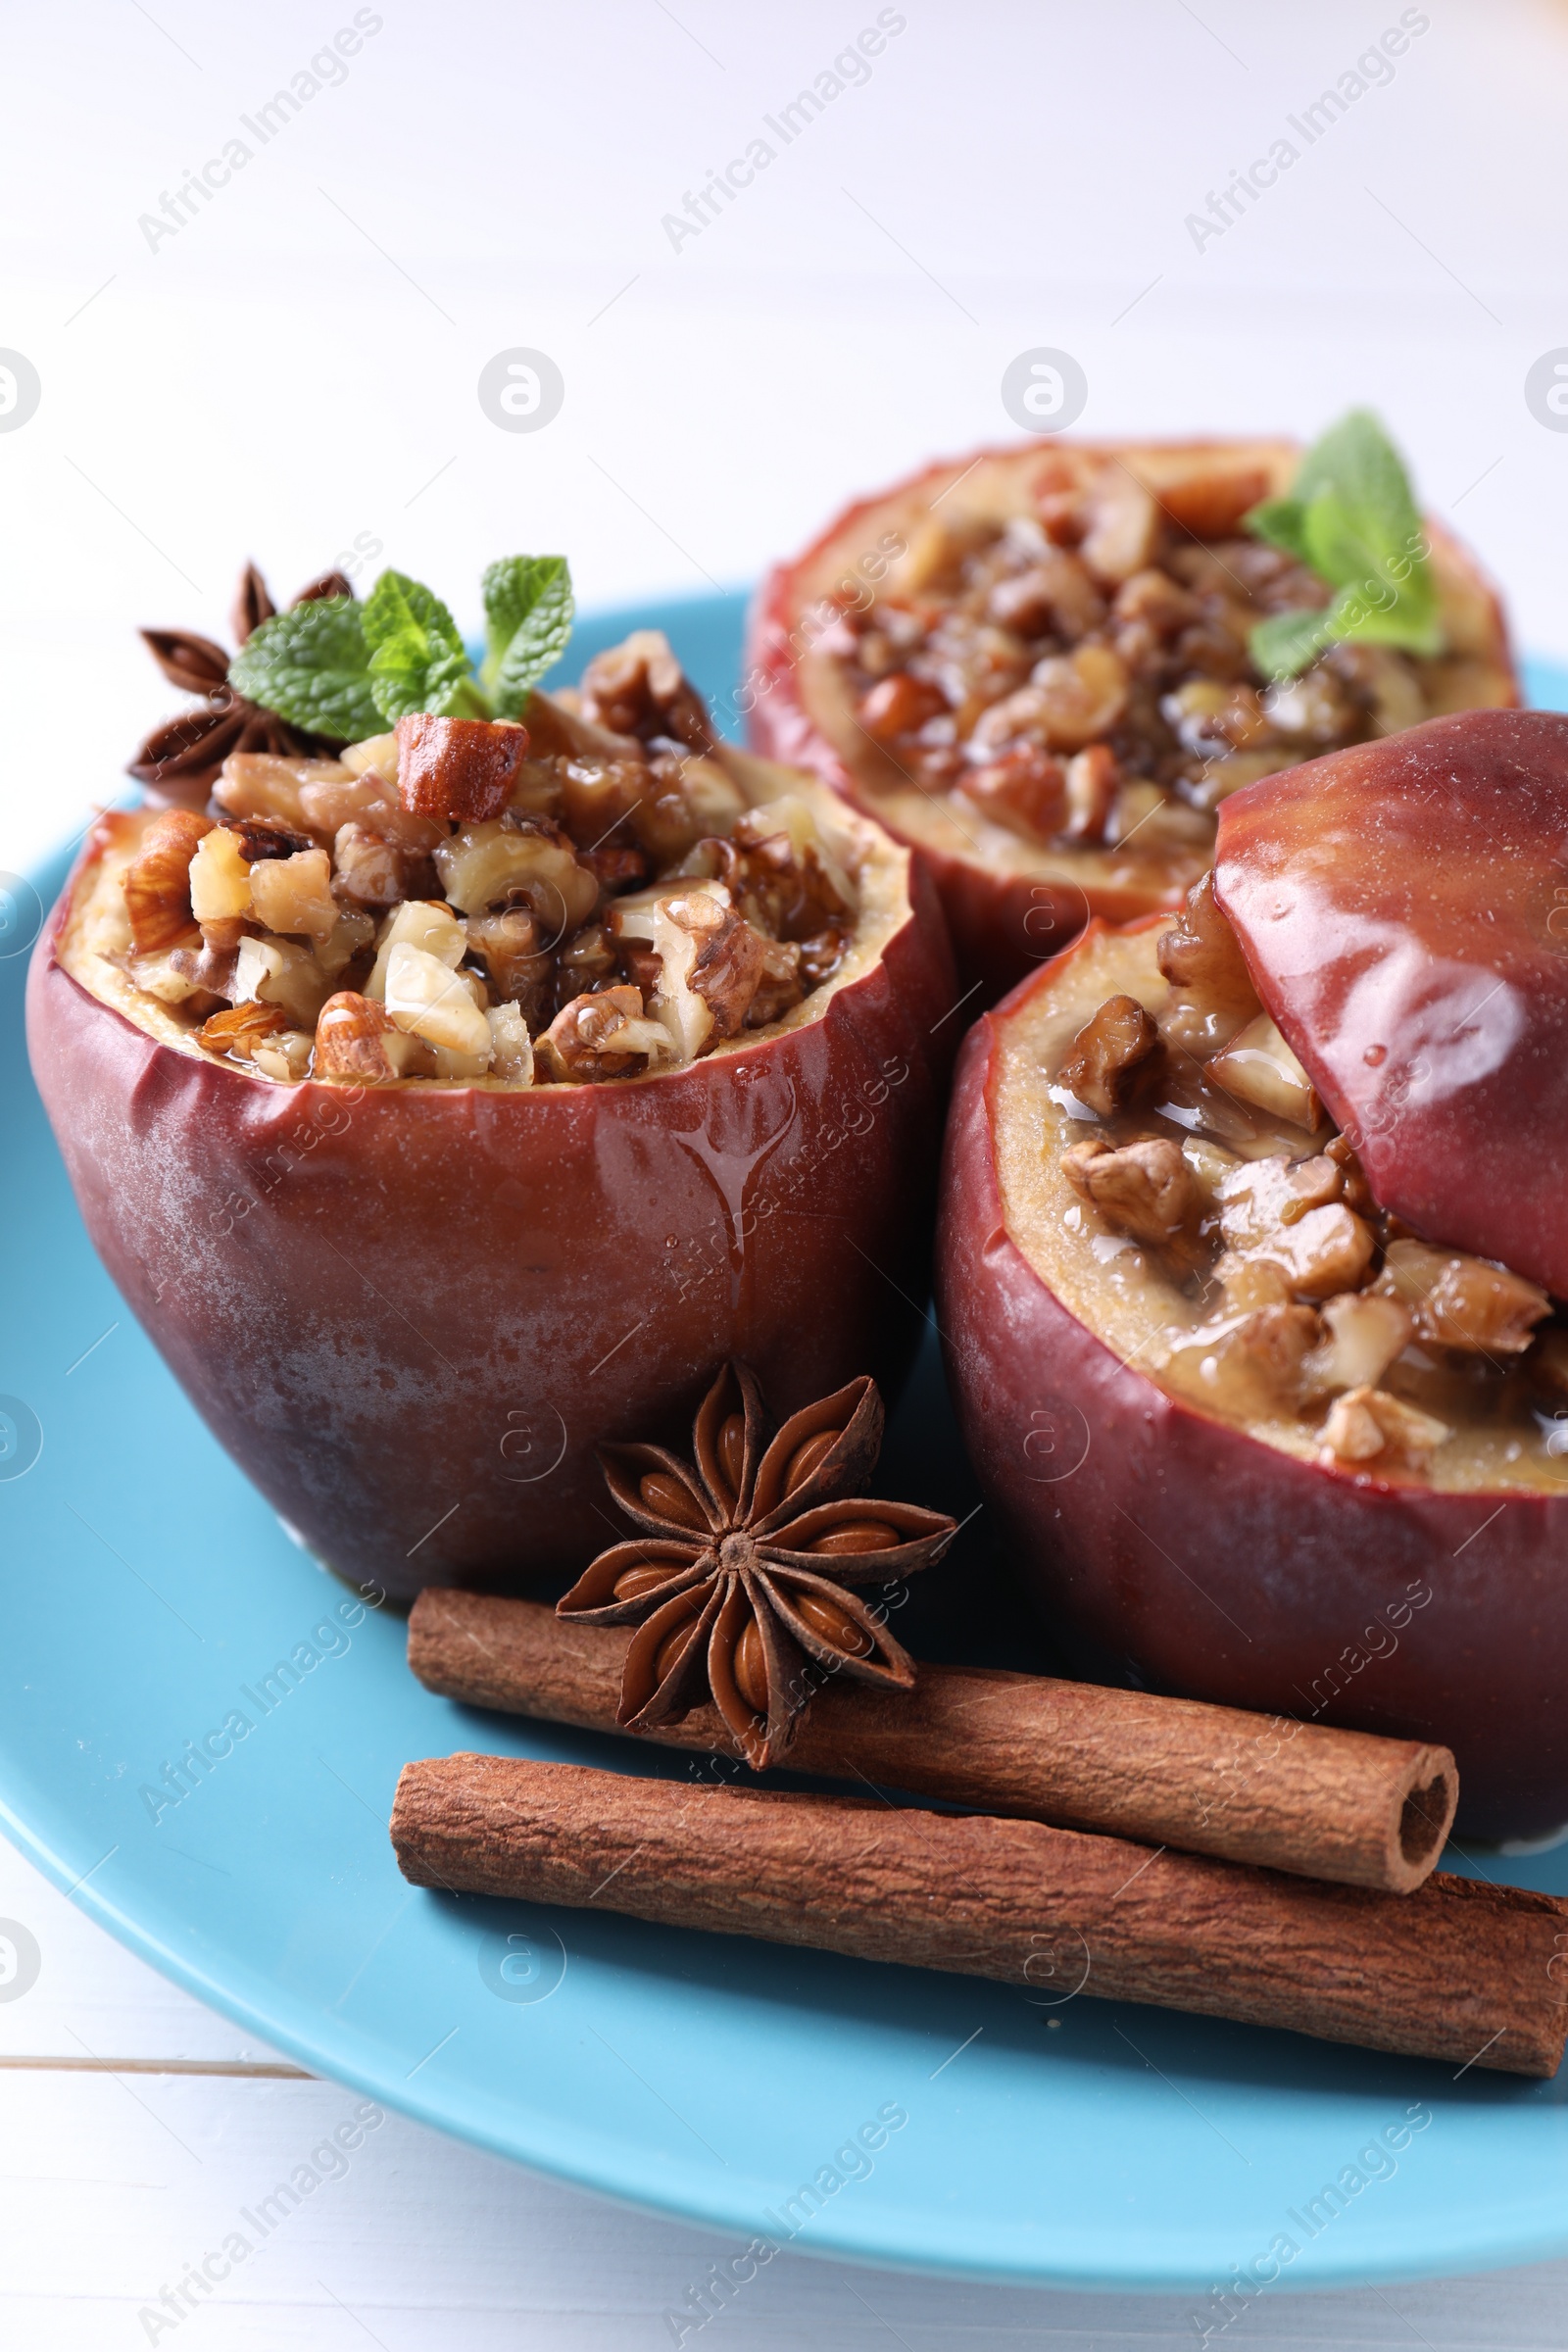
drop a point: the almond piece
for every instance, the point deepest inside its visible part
(463, 767)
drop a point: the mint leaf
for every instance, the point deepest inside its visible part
(312, 666)
(528, 611)
(417, 659)
(1352, 519)
(1280, 521)
(1288, 642)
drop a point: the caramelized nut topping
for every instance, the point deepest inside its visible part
(560, 903)
(1201, 958)
(1368, 1424)
(1115, 616)
(1461, 1302)
(638, 687)
(1372, 1346)
(1145, 1190)
(1113, 1055)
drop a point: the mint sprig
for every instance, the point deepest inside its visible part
(418, 660)
(312, 666)
(528, 611)
(1351, 519)
(348, 670)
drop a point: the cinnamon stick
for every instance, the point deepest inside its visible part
(1458, 1971)
(1325, 1804)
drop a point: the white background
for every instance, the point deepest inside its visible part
(298, 365)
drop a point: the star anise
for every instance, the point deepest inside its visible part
(739, 1583)
(180, 759)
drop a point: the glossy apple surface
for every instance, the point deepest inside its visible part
(1012, 904)
(1403, 908)
(410, 1312)
(1179, 1552)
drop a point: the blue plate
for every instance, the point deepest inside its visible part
(147, 1596)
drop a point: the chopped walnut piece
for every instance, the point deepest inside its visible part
(263, 837)
(1247, 1363)
(821, 954)
(1211, 501)
(238, 1028)
(599, 1037)
(1155, 599)
(462, 767)
(788, 855)
(220, 878)
(1358, 1190)
(1123, 527)
(529, 860)
(1094, 779)
(263, 784)
(510, 1050)
(1054, 590)
(900, 704)
(1069, 700)
(509, 943)
(355, 1040)
(597, 795)
(1289, 1212)
(680, 925)
(1462, 1302)
(727, 969)
(369, 869)
(1145, 1190)
(350, 935)
(1113, 1055)
(638, 687)
(428, 999)
(1212, 989)
(780, 986)
(295, 894)
(1024, 790)
(157, 880)
(279, 971)
(1253, 1282)
(206, 969)
(1258, 1067)
(1365, 1332)
(369, 800)
(286, 1057)
(1367, 1423)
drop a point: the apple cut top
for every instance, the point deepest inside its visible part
(1050, 659)
(1168, 1170)
(604, 892)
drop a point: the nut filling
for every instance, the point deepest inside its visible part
(587, 897)
(1079, 673)
(1217, 1229)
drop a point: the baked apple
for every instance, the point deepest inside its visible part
(1047, 667)
(1257, 1437)
(448, 1106)
(1404, 906)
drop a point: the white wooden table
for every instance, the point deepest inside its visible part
(295, 369)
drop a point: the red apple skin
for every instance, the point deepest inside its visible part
(1004, 926)
(1174, 1551)
(410, 1314)
(1403, 910)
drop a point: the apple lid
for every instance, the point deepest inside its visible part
(1403, 909)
